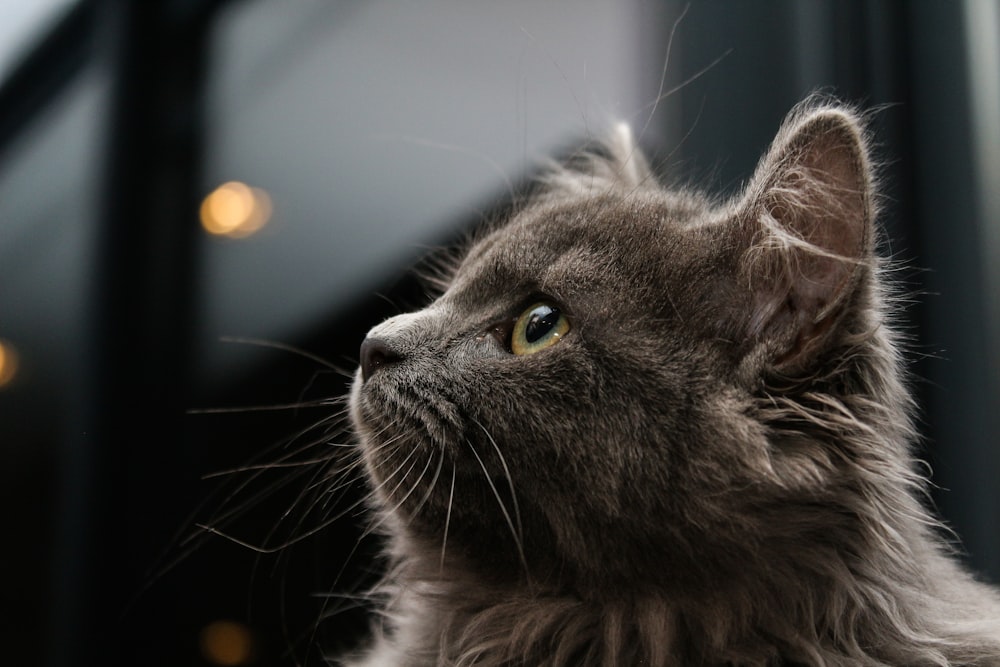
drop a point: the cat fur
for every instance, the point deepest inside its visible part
(714, 467)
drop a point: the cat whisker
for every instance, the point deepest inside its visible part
(346, 603)
(562, 73)
(269, 466)
(503, 509)
(447, 519)
(384, 483)
(222, 518)
(235, 540)
(691, 79)
(284, 347)
(336, 470)
(214, 529)
(663, 74)
(333, 492)
(416, 483)
(687, 135)
(272, 407)
(289, 542)
(373, 527)
(320, 475)
(279, 462)
(506, 472)
(432, 485)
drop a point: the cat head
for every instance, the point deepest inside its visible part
(626, 386)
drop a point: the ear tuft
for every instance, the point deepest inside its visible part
(629, 162)
(808, 217)
(616, 164)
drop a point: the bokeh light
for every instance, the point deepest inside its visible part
(227, 643)
(8, 363)
(235, 210)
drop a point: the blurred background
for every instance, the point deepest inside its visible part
(204, 205)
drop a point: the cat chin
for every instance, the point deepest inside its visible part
(354, 402)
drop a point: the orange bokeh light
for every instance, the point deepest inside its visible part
(235, 210)
(227, 643)
(8, 363)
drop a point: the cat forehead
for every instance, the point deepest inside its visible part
(611, 241)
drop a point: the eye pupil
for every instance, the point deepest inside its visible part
(540, 322)
(539, 326)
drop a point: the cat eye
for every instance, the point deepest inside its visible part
(539, 326)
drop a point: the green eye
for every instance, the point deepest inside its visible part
(537, 328)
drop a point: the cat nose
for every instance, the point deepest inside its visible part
(376, 353)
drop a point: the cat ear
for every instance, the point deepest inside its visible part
(807, 218)
(617, 163)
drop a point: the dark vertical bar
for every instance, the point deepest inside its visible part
(962, 424)
(127, 465)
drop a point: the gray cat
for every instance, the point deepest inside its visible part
(641, 427)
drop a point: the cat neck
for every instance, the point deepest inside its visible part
(447, 615)
(439, 619)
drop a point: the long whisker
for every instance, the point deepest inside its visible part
(320, 475)
(395, 472)
(287, 543)
(313, 531)
(188, 544)
(284, 347)
(271, 407)
(503, 508)
(663, 74)
(385, 515)
(256, 472)
(415, 484)
(506, 472)
(372, 528)
(237, 509)
(691, 79)
(447, 517)
(430, 487)
(270, 466)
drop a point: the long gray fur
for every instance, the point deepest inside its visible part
(712, 467)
